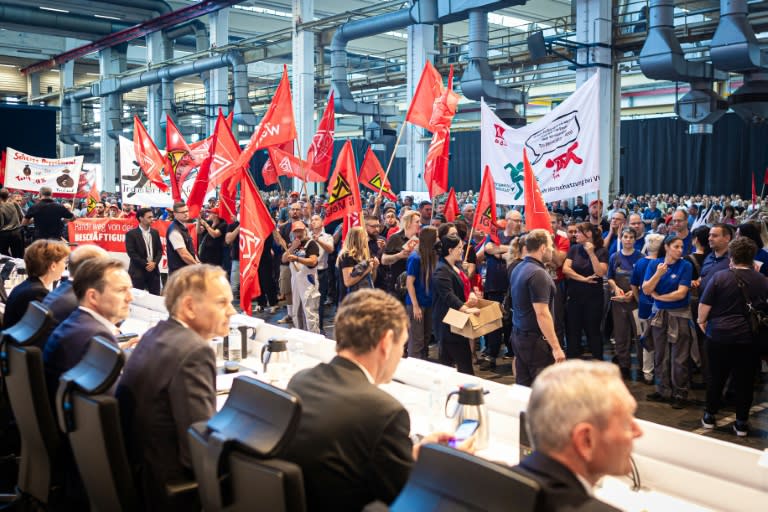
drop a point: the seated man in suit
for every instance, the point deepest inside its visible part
(145, 250)
(169, 382)
(352, 441)
(582, 425)
(103, 291)
(62, 300)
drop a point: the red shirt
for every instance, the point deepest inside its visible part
(467, 285)
(561, 244)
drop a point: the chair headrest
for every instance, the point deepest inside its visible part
(35, 322)
(98, 369)
(93, 375)
(258, 417)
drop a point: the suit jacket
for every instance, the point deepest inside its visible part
(168, 383)
(352, 441)
(137, 250)
(68, 343)
(61, 301)
(561, 490)
(25, 292)
(448, 292)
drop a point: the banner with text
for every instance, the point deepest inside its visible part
(562, 146)
(27, 172)
(109, 234)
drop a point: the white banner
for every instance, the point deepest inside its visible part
(562, 148)
(27, 172)
(138, 190)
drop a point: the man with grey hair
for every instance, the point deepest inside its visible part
(581, 422)
(680, 228)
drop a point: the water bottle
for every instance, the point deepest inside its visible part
(235, 344)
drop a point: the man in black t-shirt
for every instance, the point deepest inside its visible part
(398, 248)
(580, 210)
(47, 216)
(533, 294)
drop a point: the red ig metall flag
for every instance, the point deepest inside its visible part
(344, 201)
(255, 227)
(451, 210)
(485, 213)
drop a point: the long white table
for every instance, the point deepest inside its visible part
(679, 471)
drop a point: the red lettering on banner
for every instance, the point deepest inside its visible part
(560, 162)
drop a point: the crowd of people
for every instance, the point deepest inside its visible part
(666, 277)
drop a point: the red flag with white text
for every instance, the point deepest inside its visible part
(344, 200)
(150, 160)
(292, 166)
(372, 174)
(451, 210)
(320, 153)
(256, 225)
(485, 212)
(536, 213)
(268, 170)
(276, 127)
(225, 154)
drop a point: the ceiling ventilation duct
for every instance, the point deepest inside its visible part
(735, 48)
(662, 58)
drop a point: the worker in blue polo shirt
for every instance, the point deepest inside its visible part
(720, 235)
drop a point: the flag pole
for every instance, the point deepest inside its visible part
(469, 241)
(392, 158)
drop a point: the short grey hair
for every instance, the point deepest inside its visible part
(569, 393)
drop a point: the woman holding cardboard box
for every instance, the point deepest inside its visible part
(452, 290)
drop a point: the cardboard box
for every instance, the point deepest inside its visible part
(474, 326)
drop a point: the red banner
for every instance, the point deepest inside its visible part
(109, 234)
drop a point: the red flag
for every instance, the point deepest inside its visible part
(150, 159)
(200, 186)
(485, 212)
(2, 166)
(93, 197)
(224, 155)
(268, 171)
(344, 198)
(451, 210)
(320, 153)
(178, 157)
(445, 107)
(765, 178)
(227, 206)
(436, 166)
(372, 174)
(536, 213)
(754, 191)
(288, 165)
(277, 126)
(428, 90)
(255, 226)
(201, 148)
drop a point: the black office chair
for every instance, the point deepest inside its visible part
(90, 417)
(21, 363)
(233, 454)
(445, 479)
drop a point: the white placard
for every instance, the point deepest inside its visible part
(27, 172)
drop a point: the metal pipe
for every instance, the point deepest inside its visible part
(734, 46)
(478, 81)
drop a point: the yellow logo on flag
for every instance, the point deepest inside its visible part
(90, 204)
(175, 156)
(340, 190)
(376, 182)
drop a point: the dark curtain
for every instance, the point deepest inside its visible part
(658, 155)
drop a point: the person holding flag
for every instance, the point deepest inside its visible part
(302, 258)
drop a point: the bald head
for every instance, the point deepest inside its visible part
(82, 253)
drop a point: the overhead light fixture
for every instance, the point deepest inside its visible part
(8, 66)
(104, 17)
(53, 9)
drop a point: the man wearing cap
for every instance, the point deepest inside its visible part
(284, 281)
(390, 218)
(302, 258)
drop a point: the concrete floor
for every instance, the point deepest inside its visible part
(686, 419)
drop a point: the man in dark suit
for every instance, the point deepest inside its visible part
(169, 382)
(352, 441)
(145, 251)
(582, 425)
(103, 291)
(62, 301)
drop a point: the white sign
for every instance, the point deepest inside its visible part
(562, 148)
(27, 172)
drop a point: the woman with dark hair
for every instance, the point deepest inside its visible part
(452, 290)
(623, 301)
(729, 216)
(211, 233)
(45, 261)
(418, 301)
(585, 265)
(667, 281)
(732, 348)
(751, 230)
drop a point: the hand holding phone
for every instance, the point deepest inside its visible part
(466, 430)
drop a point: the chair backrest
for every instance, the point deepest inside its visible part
(233, 453)
(40, 439)
(33, 328)
(445, 479)
(91, 419)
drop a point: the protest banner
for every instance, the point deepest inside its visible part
(30, 173)
(563, 147)
(109, 234)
